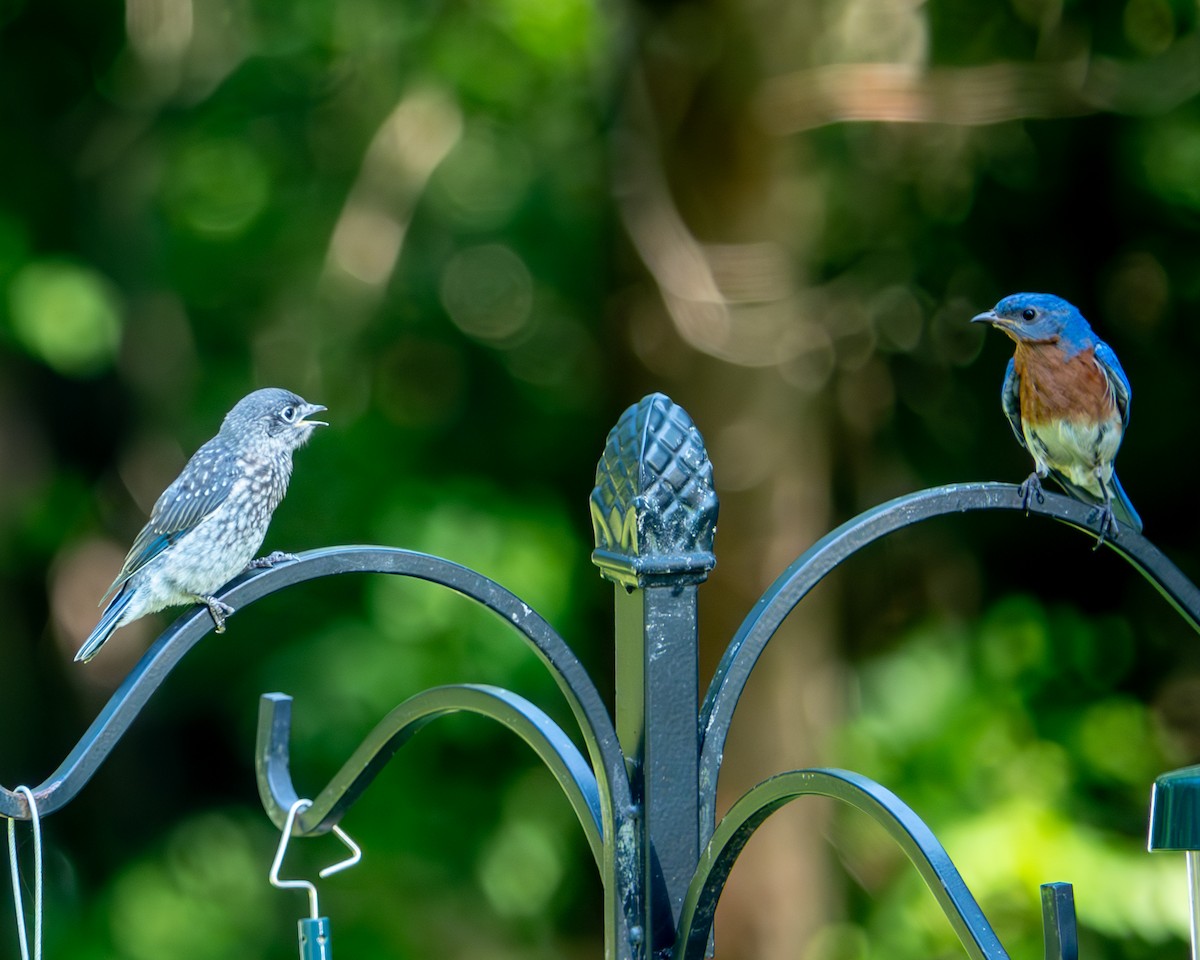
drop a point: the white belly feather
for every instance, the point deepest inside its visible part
(1080, 450)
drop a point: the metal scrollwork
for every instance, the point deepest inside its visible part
(644, 785)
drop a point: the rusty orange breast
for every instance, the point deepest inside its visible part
(1057, 387)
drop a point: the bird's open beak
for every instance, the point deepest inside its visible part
(308, 410)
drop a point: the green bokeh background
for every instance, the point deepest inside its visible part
(477, 231)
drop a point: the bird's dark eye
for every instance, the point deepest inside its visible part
(1028, 313)
(288, 414)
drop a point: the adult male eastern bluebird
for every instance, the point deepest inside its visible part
(206, 527)
(1067, 400)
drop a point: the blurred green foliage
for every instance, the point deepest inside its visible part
(455, 225)
(1044, 778)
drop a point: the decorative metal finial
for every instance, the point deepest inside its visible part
(654, 509)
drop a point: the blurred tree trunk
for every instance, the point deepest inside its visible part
(722, 324)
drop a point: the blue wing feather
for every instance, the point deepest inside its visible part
(1116, 378)
(1010, 399)
(202, 486)
(1122, 393)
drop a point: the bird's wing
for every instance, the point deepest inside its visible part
(1117, 381)
(1010, 399)
(203, 486)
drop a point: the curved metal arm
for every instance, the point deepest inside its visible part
(516, 713)
(622, 856)
(886, 809)
(123, 707)
(827, 553)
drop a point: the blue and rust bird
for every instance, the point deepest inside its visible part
(207, 525)
(1067, 400)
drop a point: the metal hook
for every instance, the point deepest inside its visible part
(355, 855)
(555, 749)
(18, 904)
(308, 885)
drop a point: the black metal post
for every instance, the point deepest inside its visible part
(654, 513)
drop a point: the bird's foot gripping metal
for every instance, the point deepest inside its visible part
(217, 610)
(1107, 521)
(271, 559)
(1031, 489)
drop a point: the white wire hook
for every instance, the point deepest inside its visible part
(355, 855)
(308, 885)
(35, 822)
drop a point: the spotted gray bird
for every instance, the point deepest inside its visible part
(207, 525)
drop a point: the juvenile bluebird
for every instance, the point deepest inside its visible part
(1067, 400)
(207, 525)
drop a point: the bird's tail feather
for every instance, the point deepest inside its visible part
(109, 621)
(1122, 508)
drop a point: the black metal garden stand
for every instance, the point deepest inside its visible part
(644, 787)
